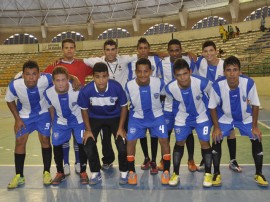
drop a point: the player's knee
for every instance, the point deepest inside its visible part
(216, 148)
(257, 147)
(121, 146)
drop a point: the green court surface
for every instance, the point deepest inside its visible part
(7, 141)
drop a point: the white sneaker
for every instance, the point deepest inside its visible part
(66, 169)
(77, 168)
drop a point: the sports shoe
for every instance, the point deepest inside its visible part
(261, 181)
(161, 165)
(165, 177)
(146, 164)
(123, 178)
(106, 166)
(47, 179)
(67, 169)
(153, 169)
(207, 181)
(16, 181)
(216, 181)
(84, 178)
(175, 179)
(201, 167)
(77, 168)
(58, 178)
(192, 166)
(132, 178)
(233, 165)
(95, 178)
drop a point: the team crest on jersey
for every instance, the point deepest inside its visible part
(198, 97)
(73, 104)
(132, 130)
(111, 100)
(177, 130)
(56, 135)
(167, 121)
(156, 95)
(244, 98)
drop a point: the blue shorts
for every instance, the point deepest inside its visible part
(244, 129)
(170, 119)
(62, 133)
(137, 128)
(41, 123)
(203, 131)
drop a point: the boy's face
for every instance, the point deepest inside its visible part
(209, 53)
(143, 73)
(68, 51)
(101, 80)
(183, 77)
(232, 73)
(143, 50)
(175, 52)
(110, 53)
(60, 82)
(30, 76)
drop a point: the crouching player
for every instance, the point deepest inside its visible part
(66, 118)
(191, 94)
(234, 103)
(103, 104)
(146, 113)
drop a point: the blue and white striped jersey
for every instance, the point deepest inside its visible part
(155, 61)
(30, 101)
(193, 101)
(165, 71)
(103, 105)
(67, 110)
(234, 105)
(145, 100)
(208, 71)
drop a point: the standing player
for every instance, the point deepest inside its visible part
(191, 94)
(30, 114)
(81, 71)
(104, 104)
(67, 119)
(118, 71)
(143, 49)
(211, 67)
(165, 71)
(146, 113)
(234, 103)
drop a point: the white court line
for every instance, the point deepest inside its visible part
(266, 126)
(114, 165)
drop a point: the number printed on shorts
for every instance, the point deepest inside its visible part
(161, 128)
(47, 126)
(205, 130)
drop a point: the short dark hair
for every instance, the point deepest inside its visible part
(143, 61)
(59, 70)
(31, 65)
(110, 42)
(143, 40)
(100, 67)
(68, 40)
(209, 43)
(174, 42)
(180, 64)
(231, 60)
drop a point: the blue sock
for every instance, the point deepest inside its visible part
(66, 152)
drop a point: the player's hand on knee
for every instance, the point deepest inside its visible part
(256, 132)
(19, 125)
(87, 134)
(216, 135)
(122, 133)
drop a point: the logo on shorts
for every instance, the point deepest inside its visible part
(132, 130)
(56, 135)
(167, 121)
(244, 98)
(198, 97)
(177, 130)
(111, 100)
(156, 95)
(73, 104)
